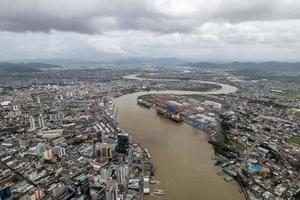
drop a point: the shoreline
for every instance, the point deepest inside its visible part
(226, 89)
(242, 187)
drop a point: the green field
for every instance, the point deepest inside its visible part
(295, 140)
(294, 95)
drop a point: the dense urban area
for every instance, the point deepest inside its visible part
(60, 137)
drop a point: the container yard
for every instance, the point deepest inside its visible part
(197, 113)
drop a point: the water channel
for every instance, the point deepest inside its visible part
(181, 153)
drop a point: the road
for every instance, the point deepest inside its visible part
(28, 180)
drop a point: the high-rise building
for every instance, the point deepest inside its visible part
(41, 122)
(23, 142)
(106, 152)
(38, 100)
(5, 193)
(100, 136)
(60, 116)
(15, 107)
(84, 188)
(123, 143)
(111, 193)
(98, 193)
(95, 149)
(36, 194)
(39, 148)
(60, 151)
(122, 174)
(53, 117)
(104, 174)
(32, 123)
(114, 194)
(47, 154)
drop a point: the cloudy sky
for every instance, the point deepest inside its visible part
(189, 29)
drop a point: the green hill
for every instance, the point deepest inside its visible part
(10, 68)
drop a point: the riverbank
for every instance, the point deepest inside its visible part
(225, 89)
(181, 153)
(179, 109)
(185, 166)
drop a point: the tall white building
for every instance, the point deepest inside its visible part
(62, 152)
(38, 100)
(32, 123)
(15, 107)
(47, 154)
(39, 148)
(112, 193)
(52, 117)
(104, 174)
(60, 116)
(41, 122)
(122, 174)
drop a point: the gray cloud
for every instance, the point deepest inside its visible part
(193, 29)
(165, 16)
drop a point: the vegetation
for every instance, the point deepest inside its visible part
(8, 68)
(281, 71)
(292, 95)
(236, 144)
(8, 88)
(294, 163)
(43, 96)
(10, 130)
(223, 150)
(16, 178)
(297, 196)
(295, 140)
(229, 147)
(225, 127)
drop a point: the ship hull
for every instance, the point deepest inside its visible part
(169, 116)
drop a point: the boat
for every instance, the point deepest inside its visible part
(158, 192)
(228, 178)
(220, 172)
(146, 185)
(147, 153)
(152, 181)
(144, 103)
(174, 117)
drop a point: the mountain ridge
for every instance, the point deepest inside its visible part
(9, 67)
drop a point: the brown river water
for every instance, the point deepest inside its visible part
(180, 152)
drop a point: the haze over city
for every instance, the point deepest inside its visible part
(195, 30)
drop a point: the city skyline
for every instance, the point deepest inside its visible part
(149, 99)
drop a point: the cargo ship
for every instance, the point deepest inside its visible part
(158, 192)
(172, 116)
(144, 103)
(147, 153)
(146, 185)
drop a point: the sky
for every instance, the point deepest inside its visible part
(200, 30)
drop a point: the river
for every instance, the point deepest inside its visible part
(181, 153)
(226, 89)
